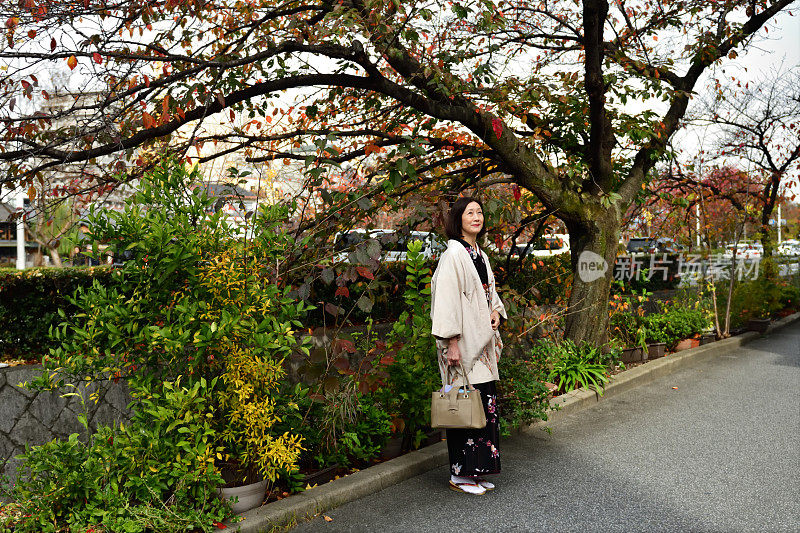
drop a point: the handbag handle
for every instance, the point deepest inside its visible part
(463, 373)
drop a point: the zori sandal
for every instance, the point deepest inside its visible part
(488, 485)
(469, 488)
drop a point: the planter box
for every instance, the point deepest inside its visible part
(432, 437)
(758, 324)
(248, 496)
(632, 355)
(392, 448)
(322, 476)
(656, 350)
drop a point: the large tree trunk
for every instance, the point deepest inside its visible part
(593, 246)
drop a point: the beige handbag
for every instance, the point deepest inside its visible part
(455, 410)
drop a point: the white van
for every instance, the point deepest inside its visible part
(393, 244)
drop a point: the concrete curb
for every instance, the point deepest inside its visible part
(375, 478)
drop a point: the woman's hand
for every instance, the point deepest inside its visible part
(453, 353)
(495, 319)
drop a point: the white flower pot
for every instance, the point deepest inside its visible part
(249, 496)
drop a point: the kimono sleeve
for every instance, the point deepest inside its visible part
(446, 312)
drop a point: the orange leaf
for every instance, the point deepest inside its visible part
(364, 271)
(72, 62)
(147, 120)
(342, 291)
(328, 518)
(32, 192)
(372, 149)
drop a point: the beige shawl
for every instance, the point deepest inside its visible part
(459, 307)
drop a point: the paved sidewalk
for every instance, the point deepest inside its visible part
(719, 453)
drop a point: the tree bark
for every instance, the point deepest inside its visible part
(587, 313)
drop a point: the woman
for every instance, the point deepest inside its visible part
(466, 312)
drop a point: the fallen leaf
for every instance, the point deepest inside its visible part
(675, 388)
(327, 518)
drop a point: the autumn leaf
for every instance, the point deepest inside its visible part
(72, 62)
(148, 120)
(365, 272)
(372, 149)
(342, 291)
(517, 192)
(52, 44)
(328, 518)
(32, 192)
(31, 34)
(497, 126)
(97, 58)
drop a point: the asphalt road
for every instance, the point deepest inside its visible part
(720, 453)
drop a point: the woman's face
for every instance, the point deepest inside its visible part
(472, 220)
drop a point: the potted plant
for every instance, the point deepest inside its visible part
(626, 328)
(656, 338)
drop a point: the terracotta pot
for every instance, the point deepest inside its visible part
(249, 496)
(758, 324)
(657, 349)
(685, 344)
(695, 343)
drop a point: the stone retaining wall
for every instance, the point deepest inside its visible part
(30, 417)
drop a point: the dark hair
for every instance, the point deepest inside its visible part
(452, 225)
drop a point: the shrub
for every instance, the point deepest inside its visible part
(29, 304)
(522, 395)
(675, 323)
(154, 474)
(414, 373)
(573, 366)
(195, 303)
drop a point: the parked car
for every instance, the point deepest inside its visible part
(394, 245)
(653, 245)
(744, 250)
(789, 247)
(546, 246)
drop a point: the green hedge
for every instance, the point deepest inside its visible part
(30, 299)
(29, 304)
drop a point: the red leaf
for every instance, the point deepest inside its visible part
(387, 360)
(31, 33)
(148, 120)
(497, 126)
(97, 58)
(344, 345)
(342, 291)
(364, 271)
(219, 525)
(517, 192)
(52, 44)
